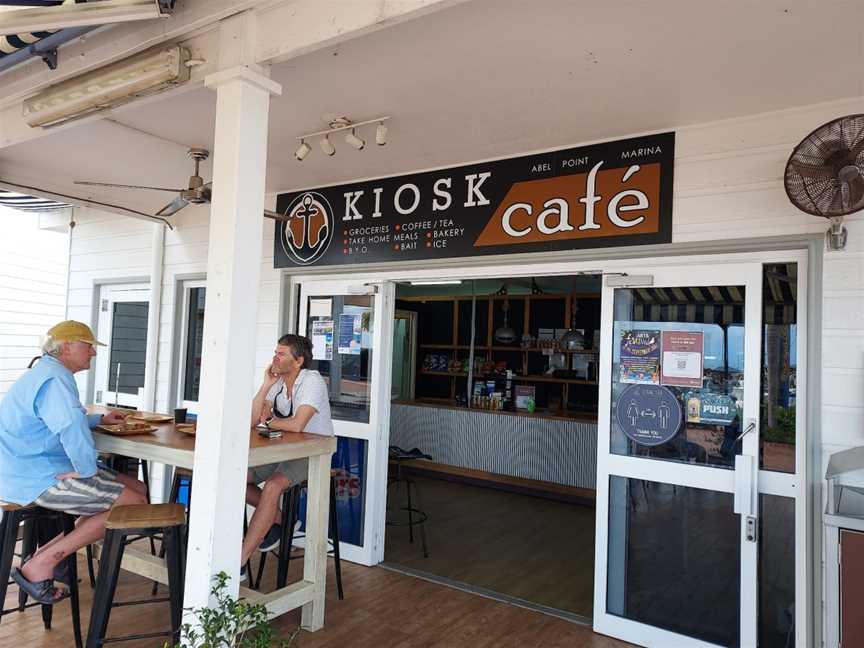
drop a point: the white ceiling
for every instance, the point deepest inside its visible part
(493, 78)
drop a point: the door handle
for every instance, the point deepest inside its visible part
(746, 431)
(745, 485)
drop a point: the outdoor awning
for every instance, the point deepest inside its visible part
(28, 203)
(12, 43)
(723, 305)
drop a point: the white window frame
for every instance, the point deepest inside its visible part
(186, 288)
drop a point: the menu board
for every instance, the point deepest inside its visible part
(604, 195)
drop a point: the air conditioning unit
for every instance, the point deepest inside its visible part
(142, 74)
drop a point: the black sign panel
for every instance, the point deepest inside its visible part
(603, 195)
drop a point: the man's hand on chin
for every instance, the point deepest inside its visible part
(113, 418)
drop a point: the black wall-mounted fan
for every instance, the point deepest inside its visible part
(825, 173)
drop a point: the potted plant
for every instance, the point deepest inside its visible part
(230, 623)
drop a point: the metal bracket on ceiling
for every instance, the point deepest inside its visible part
(166, 6)
(48, 56)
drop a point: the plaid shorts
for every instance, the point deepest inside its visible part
(83, 495)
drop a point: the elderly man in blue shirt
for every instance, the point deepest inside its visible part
(48, 457)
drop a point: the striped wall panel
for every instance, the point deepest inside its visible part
(562, 452)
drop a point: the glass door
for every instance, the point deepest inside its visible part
(350, 326)
(678, 456)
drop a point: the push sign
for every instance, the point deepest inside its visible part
(650, 415)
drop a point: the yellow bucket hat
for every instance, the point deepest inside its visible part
(72, 331)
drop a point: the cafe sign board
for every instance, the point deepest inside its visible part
(603, 195)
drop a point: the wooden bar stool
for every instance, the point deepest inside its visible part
(290, 514)
(35, 519)
(141, 520)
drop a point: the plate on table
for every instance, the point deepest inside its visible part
(127, 429)
(185, 428)
(152, 418)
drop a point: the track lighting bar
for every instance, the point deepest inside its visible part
(337, 126)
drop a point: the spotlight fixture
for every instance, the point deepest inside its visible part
(327, 145)
(352, 139)
(302, 150)
(337, 125)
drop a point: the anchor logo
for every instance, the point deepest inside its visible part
(308, 230)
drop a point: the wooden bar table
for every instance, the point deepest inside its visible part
(169, 446)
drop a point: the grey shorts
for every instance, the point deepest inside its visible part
(296, 470)
(83, 495)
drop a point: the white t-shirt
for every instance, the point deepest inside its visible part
(309, 389)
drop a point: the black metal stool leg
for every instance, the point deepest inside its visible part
(334, 532)
(410, 512)
(9, 526)
(145, 473)
(28, 548)
(72, 562)
(109, 570)
(90, 571)
(290, 503)
(422, 522)
(173, 541)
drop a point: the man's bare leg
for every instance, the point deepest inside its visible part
(265, 513)
(130, 483)
(89, 530)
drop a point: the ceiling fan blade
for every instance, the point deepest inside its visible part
(125, 186)
(173, 207)
(809, 171)
(275, 215)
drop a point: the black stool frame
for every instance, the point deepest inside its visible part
(35, 521)
(109, 571)
(290, 514)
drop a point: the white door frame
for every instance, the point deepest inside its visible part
(793, 486)
(768, 482)
(110, 294)
(376, 431)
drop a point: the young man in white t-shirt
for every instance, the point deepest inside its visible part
(292, 398)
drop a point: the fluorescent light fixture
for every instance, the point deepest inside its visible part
(302, 150)
(327, 146)
(143, 74)
(436, 282)
(381, 134)
(352, 139)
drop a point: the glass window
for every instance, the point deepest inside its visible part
(128, 347)
(194, 342)
(776, 571)
(345, 360)
(779, 366)
(678, 373)
(674, 559)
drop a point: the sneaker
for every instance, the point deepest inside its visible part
(272, 539)
(243, 575)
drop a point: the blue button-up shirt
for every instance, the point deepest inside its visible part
(44, 431)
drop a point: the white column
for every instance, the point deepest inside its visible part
(227, 364)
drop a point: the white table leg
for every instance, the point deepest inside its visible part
(315, 560)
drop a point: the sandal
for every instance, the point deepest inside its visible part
(61, 571)
(42, 591)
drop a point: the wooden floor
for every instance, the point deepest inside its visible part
(529, 548)
(382, 609)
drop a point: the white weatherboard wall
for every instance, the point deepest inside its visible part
(32, 289)
(728, 185)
